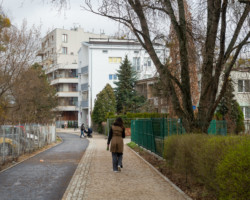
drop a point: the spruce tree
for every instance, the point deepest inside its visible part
(127, 98)
(105, 102)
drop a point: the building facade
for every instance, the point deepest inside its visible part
(157, 103)
(59, 55)
(99, 60)
(241, 81)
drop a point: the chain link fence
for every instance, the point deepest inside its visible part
(20, 139)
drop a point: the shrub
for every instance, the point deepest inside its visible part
(233, 172)
(180, 151)
(209, 160)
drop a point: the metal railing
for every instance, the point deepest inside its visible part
(150, 133)
(20, 139)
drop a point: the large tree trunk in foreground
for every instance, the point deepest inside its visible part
(147, 20)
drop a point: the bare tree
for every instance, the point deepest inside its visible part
(221, 31)
(18, 52)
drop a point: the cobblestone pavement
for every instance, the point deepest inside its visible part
(94, 178)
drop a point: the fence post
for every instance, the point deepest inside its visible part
(3, 144)
(163, 127)
(12, 133)
(19, 143)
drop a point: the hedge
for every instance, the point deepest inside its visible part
(221, 164)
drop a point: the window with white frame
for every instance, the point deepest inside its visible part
(246, 111)
(243, 85)
(64, 38)
(112, 77)
(147, 62)
(115, 59)
(136, 63)
(64, 50)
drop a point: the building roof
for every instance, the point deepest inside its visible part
(241, 69)
(111, 41)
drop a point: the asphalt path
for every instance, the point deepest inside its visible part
(46, 175)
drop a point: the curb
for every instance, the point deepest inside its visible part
(73, 189)
(164, 177)
(30, 157)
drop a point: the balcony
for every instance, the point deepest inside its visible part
(52, 68)
(66, 108)
(84, 104)
(85, 70)
(64, 80)
(84, 87)
(67, 94)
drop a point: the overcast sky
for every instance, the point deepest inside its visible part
(36, 12)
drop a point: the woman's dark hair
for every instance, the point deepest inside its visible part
(119, 122)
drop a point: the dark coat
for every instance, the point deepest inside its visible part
(82, 128)
(116, 136)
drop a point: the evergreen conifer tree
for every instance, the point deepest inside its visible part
(230, 110)
(127, 98)
(105, 102)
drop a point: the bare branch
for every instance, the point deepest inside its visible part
(237, 31)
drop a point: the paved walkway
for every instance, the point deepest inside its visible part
(46, 175)
(94, 178)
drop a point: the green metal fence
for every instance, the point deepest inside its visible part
(217, 128)
(150, 133)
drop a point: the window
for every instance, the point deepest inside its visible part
(147, 62)
(136, 63)
(64, 50)
(246, 112)
(73, 101)
(105, 51)
(64, 37)
(243, 85)
(73, 87)
(136, 51)
(115, 59)
(112, 77)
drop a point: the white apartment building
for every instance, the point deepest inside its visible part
(99, 60)
(59, 54)
(241, 81)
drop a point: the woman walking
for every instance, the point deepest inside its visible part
(116, 135)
